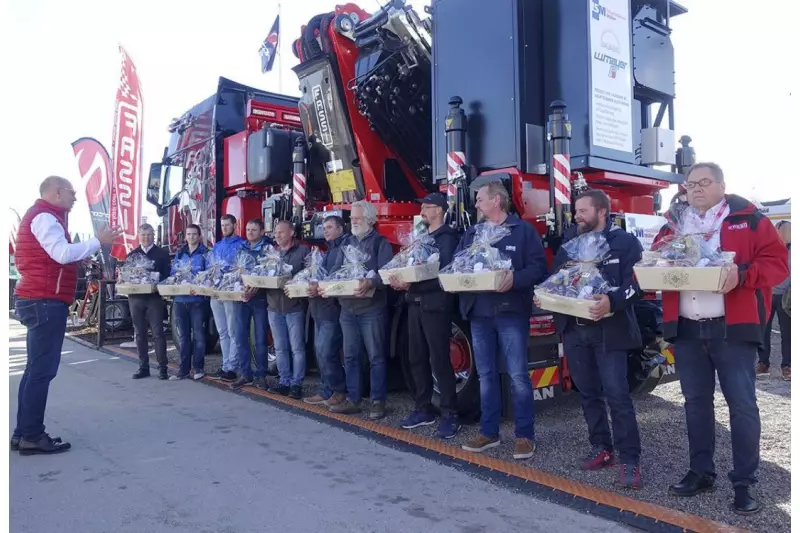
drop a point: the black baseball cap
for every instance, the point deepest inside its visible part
(435, 198)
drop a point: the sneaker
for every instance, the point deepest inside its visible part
(178, 377)
(598, 459)
(230, 375)
(630, 476)
(524, 448)
(199, 375)
(44, 445)
(481, 443)
(317, 399)
(786, 372)
(377, 410)
(241, 382)
(762, 370)
(283, 390)
(417, 419)
(335, 399)
(219, 374)
(347, 407)
(448, 427)
(15, 442)
(261, 383)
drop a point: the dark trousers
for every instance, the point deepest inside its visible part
(148, 310)
(46, 321)
(701, 350)
(190, 318)
(601, 376)
(785, 326)
(429, 349)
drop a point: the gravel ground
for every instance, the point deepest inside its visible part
(562, 442)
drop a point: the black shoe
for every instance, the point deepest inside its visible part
(43, 446)
(219, 374)
(377, 410)
(743, 503)
(260, 383)
(142, 373)
(229, 376)
(15, 442)
(241, 382)
(296, 392)
(283, 390)
(692, 485)
(162, 374)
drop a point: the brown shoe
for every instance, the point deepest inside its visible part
(762, 370)
(314, 400)
(481, 443)
(787, 373)
(524, 448)
(335, 399)
(345, 408)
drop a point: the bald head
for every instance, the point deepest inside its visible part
(58, 191)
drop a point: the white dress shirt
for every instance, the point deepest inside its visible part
(50, 234)
(147, 250)
(698, 305)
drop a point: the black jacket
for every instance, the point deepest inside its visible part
(621, 330)
(429, 293)
(277, 301)
(160, 257)
(524, 247)
(380, 253)
(327, 309)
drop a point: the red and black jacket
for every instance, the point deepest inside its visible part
(762, 259)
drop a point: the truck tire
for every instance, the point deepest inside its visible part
(461, 357)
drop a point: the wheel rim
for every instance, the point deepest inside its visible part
(461, 357)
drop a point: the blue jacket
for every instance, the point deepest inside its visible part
(227, 248)
(524, 247)
(198, 259)
(327, 309)
(621, 330)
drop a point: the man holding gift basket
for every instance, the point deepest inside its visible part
(429, 313)
(191, 310)
(224, 252)
(149, 309)
(595, 262)
(719, 332)
(287, 316)
(500, 319)
(255, 309)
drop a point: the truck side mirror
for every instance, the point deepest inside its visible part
(154, 184)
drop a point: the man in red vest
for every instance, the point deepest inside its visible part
(720, 332)
(48, 262)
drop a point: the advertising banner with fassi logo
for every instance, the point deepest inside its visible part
(611, 87)
(126, 150)
(94, 168)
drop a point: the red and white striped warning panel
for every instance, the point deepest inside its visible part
(561, 172)
(299, 190)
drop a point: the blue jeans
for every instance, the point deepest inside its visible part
(697, 360)
(190, 317)
(327, 347)
(288, 334)
(510, 335)
(602, 376)
(366, 331)
(46, 321)
(224, 317)
(244, 312)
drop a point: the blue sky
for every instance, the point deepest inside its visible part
(733, 88)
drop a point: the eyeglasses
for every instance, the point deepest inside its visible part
(70, 191)
(705, 182)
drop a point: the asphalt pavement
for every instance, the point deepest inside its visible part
(152, 456)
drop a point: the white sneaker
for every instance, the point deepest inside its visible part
(175, 378)
(198, 376)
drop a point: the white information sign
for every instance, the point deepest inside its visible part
(611, 87)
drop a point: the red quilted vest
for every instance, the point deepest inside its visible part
(42, 278)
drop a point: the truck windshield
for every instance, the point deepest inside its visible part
(173, 182)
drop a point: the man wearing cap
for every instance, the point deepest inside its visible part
(429, 312)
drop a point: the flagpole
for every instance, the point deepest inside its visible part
(279, 50)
